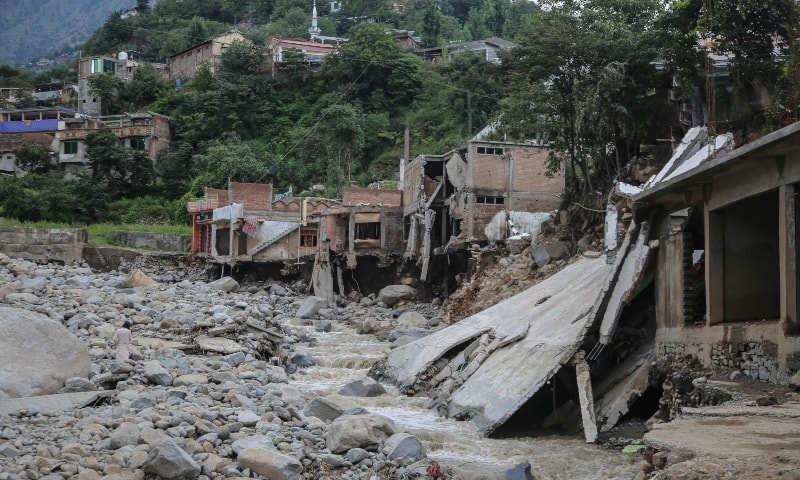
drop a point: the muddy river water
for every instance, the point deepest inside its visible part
(343, 356)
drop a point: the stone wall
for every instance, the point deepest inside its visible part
(43, 244)
(757, 360)
(160, 242)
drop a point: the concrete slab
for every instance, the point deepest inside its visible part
(52, 403)
(586, 398)
(158, 343)
(627, 381)
(556, 310)
(219, 345)
(551, 304)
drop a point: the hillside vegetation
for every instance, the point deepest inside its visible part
(593, 78)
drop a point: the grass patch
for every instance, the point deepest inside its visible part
(100, 233)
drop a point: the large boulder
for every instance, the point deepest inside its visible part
(311, 306)
(37, 355)
(404, 446)
(367, 387)
(394, 293)
(367, 431)
(271, 464)
(225, 284)
(137, 278)
(412, 320)
(167, 460)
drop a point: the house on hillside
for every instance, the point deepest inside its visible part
(489, 50)
(122, 66)
(63, 131)
(486, 191)
(183, 65)
(726, 283)
(243, 224)
(284, 53)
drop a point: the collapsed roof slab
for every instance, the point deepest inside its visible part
(555, 311)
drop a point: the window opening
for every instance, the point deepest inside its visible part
(485, 200)
(490, 150)
(70, 148)
(308, 238)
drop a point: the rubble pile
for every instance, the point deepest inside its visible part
(207, 392)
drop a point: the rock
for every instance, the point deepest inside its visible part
(23, 298)
(323, 327)
(302, 360)
(558, 250)
(36, 284)
(405, 446)
(261, 442)
(155, 373)
(585, 243)
(394, 293)
(234, 359)
(78, 384)
(126, 434)
(367, 431)
(270, 464)
(367, 387)
(355, 455)
(248, 418)
(311, 306)
(167, 460)
(278, 290)
(324, 409)
(794, 380)
(412, 320)
(766, 400)
(137, 278)
(366, 326)
(37, 355)
(540, 255)
(519, 472)
(225, 284)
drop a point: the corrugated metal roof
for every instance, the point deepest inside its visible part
(50, 125)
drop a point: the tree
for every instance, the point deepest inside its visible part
(242, 57)
(579, 78)
(431, 24)
(107, 87)
(143, 87)
(232, 159)
(33, 158)
(125, 170)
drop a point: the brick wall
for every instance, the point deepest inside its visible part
(488, 172)
(392, 221)
(254, 196)
(221, 194)
(529, 172)
(371, 196)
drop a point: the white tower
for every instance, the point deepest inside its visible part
(314, 30)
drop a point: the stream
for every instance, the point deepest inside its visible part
(343, 356)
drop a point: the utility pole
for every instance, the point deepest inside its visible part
(469, 112)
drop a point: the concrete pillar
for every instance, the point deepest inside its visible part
(715, 254)
(788, 267)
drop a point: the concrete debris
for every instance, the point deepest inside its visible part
(586, 398)
(137, 278)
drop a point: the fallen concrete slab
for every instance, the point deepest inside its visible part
(219, 345)
(52, 403)
(555, 312)
(618, 391)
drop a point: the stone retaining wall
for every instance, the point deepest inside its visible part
(43, 244)
(160, 242)
(757, 360)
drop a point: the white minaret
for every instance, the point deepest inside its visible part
(314, 30)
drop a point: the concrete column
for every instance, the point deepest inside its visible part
(788, 266)
(715, 252)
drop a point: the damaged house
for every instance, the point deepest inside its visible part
(487, 191)
(365, 232)
(707, 268)
(244, 224)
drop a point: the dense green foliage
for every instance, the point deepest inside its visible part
(590, 77)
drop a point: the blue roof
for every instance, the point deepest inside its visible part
(50, 125)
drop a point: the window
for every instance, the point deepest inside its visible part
(70, 148)
(308, 238)
(490, 150)
(483, 200)
(138, 143)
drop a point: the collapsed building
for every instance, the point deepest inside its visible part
(706, 269)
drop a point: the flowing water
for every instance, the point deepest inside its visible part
(343, 356)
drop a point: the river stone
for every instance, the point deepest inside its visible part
(311, 306)
(167, 460)
(23, 298)
(137, 278)
(126, 434)
(404, 445)
(270, 464)
(355, 455)
(367, 387)
(78, 384)
(302, 360)
(35, 284)
(261, 442)
(412, 320)
(367, 431)
(394, 293)
(519, 472)
(157, 374)
(37, 354)
(540, 255)
(324, 409)
(225, 284)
